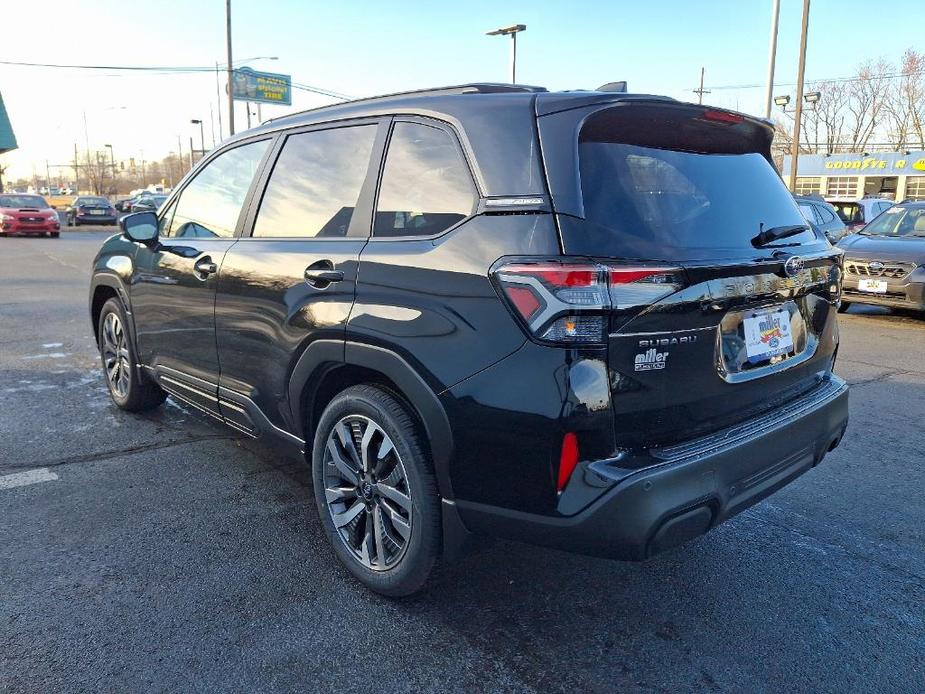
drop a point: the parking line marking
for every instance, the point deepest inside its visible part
(21, 479)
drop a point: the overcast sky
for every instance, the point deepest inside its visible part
(363, 48)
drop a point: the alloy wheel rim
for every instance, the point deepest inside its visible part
(367, 493)
(115, 355)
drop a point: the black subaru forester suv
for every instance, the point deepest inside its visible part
(587, 320)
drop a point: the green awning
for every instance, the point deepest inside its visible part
(7, 138)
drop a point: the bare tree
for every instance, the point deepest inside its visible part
(867, 96)
(97, 168)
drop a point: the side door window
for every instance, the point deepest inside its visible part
(315, 184)
(426, 184)
(209, 206)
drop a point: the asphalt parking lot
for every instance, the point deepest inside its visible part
(164, 552)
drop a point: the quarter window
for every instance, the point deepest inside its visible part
(827, 215)
(426, 186)
(210, 205)
(315, 184)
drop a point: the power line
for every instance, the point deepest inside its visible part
(915, 73)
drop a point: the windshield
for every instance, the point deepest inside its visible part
(898, 221)
(23, 201)
(848, 212)
(659, 203)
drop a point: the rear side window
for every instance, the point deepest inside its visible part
(827, 216)
(315, 184)
(210, 205)
(426, 186)
(809, 213)
(661, 204)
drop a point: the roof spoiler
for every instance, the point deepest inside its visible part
(617, 87)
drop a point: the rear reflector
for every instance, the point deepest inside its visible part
(568, 459)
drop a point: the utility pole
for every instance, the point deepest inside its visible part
(76, 171)
(700, 92)
(212, 123)
(772, 57)
(218, 97)
(248, 105)
(798, 114)
(179, 156)
(230, 69)
(191, 150)
(47, 175)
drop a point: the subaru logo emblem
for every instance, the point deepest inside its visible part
(876, 266)
(793, 266)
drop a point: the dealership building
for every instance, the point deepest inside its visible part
(893, 175)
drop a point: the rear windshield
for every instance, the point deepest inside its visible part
(23, 201)
(849, 212)
(898, 221)
(646, 202)
(91, 201)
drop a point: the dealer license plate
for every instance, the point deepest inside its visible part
(876, 286)
(768, 334)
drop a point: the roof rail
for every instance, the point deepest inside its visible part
(472, 88)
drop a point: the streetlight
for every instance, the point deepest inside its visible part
(782, 101)
(202, 137)
(112, 159)
(812, 98)
(511, 31)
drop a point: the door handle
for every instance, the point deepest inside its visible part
(204, 267)
(322, 273)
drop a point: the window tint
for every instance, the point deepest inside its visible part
(665, 204)
(426, 187)
(315, 183)
(209, 206)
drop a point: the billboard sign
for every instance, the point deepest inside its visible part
(908, 163)
(263, 87)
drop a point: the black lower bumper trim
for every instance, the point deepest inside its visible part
(699, 485)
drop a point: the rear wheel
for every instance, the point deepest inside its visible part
(127, 389)
(375, 491)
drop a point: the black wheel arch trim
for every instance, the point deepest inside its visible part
(322, 355)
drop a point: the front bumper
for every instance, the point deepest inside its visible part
(11, 228)
(906, 292)
(687, 489)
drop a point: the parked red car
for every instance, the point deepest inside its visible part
(27, 214)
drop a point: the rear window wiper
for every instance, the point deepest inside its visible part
(766, 236)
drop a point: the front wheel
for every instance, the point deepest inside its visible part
(126, 387)
(376, 492)
(844, 306)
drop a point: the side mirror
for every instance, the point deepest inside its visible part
(140, 227)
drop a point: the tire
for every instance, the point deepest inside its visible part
(126, 388)
(844, 306)
(55, 234)
(389, 540)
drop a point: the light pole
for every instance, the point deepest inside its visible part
(511, 31)
(772, 57)
(795, 145)
(229, 68)
(202, 137)
(112, 159)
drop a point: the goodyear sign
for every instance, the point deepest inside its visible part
(881, 164)
(265, 87)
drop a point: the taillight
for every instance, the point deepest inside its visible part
(569, 302)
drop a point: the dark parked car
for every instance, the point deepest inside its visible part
(148, 203)
(88, 209)
(820, 213)
(609, 344)
(885, 261)
(123, 205)
(22, 214)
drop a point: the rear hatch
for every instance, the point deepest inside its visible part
(712, 321)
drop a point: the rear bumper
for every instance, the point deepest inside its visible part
(95, 219)
(686, 490)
